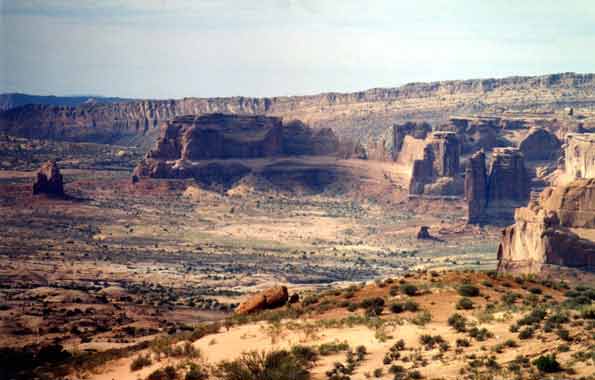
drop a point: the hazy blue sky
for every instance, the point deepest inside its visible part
(177, 48)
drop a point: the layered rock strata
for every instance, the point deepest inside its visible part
(493, 196)
(437, 173)
(559, 230)
(580, 155)
(540, 145)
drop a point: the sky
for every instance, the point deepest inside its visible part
(209, 48)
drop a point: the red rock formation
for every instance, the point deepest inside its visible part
(557, 231)
(476, 183)
(540, 145)
(267, 299)
(301, 140)
(48, 180)
(388, 146)
(218, 136)
(440, 160)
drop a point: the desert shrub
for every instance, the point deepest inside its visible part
(196, 372)
(394, 369)
(409, 289)
(514, 328)
(378, 372)
(410, 305)
(462, 342)
(487, 284)
(429, 341)
(397, 307)
(393, 290)
(458, 322)
(167, 373)
(464, 304)
(480, 334)
(535, 290)
(468, 290)
(534, 317)
(588, 312)
(305, 354)
(254, 365)
(526, 333)
(415, 375)
(373, 306)
(332, 348)
(422, 318)
(547, 363)
(140, 362)
(509, 298)
(351, 306)
(564, 334)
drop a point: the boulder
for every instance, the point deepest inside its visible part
(48, 180)
(268, 299)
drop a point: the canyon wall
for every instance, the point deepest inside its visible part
(558, 229)
(356, 115)
(492, 195)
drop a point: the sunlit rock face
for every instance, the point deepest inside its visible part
(558, 230)
(580, 155)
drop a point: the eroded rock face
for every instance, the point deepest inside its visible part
(267, 299)
(219, 136)
(388, 146)
(476, 183)
(558, 230)
(580, 155)
(540, 145)
(492, 197)
(48, 180)
(301, 140)
(440, 160)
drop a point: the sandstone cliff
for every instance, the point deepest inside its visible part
(353, 115)
(492, 196)
(557, 231)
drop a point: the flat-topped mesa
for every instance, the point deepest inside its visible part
(48, 180)
(559, 230)
(493, 196)
(437, 173)
(219, 136)
(580, 155)
(188, 145)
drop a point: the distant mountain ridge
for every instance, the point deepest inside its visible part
(13, 100)
(349, 114)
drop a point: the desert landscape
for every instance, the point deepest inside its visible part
(436, 230)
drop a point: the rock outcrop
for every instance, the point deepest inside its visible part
(388, 146)
(348, 114)
(493, 196)
(559, 230)
(540, 145)
(580, 155)
(218, 136)
(476, 187)
(268, 299)
(437, 173)
(301, 140)
(48, 180)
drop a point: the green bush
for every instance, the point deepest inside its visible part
(397, 308)
(167, 373)
(196, 372)
(464, 304)
(547, 363)
(458, 322)
(254, 365)
(411, 306)
(468, 290)
(140, 362)
(422, 318)
(409, 289)
(526, 333)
